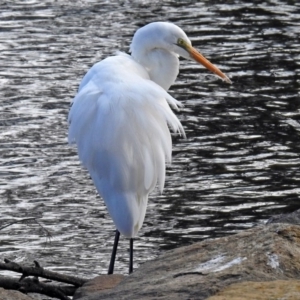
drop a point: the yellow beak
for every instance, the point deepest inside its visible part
(198, 57)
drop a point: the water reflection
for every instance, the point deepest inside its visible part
(239, 164)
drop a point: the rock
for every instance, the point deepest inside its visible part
(203, 269)
(12, 295)
(97, 285)
(290, 218)
(275, 290)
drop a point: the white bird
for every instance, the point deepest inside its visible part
(120, 121)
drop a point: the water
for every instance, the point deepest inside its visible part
(238, 166)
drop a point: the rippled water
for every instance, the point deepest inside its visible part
(238, 166)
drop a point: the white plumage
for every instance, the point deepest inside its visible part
(120, 120)
(122, 136)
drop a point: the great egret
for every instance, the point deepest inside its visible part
(120, 122)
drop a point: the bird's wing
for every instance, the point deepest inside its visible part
(119, 121)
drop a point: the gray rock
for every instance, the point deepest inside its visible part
(249, 290)
(290, 218)
(201, 270)
(98, 284)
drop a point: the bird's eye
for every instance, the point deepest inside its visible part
(180, 42)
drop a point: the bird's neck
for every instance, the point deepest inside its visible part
(161, 65)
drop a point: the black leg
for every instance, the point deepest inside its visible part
(131, 256)
(113, 254)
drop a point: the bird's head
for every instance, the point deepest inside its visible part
(170, 37)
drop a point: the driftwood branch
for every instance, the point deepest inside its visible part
(28, 284)
(41, 272)
(33, 285)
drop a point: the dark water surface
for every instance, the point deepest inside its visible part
(238, 166)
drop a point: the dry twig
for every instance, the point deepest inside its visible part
(33, 285)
